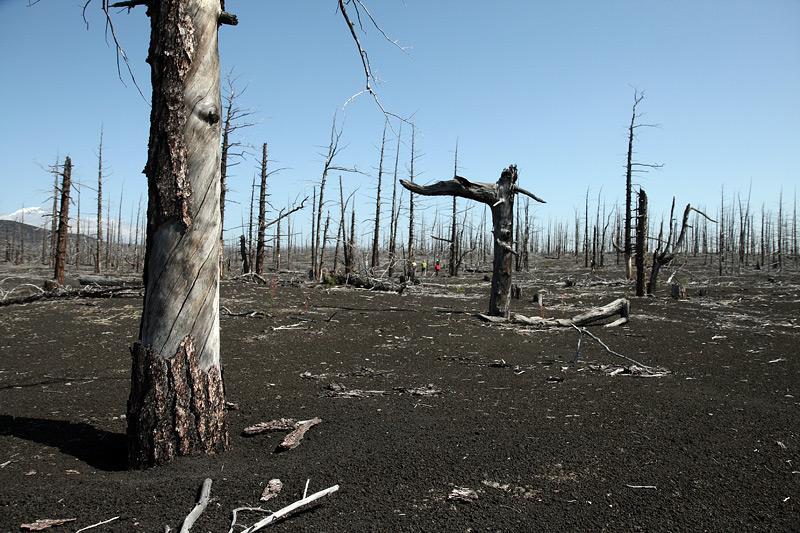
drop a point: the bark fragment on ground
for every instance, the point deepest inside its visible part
(45, 523)
(273, 488)
(279, 424)
(293, 439)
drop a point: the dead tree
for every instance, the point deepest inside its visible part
(262, 212)
(244, 254)
(54, 213)
(375, 262)
(351, 245)
(63, 223)
(395, 214)
(78, 230)
(176, 403)
(641, 239)
(663, 256)
(410, 254)
(585, 232)
(232, 150)
(329, 165)
(452, 265)
(500, 196)
(632, 167)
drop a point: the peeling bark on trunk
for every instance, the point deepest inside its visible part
(179, 406)
(177, 401)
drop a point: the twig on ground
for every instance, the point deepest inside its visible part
(612, 352)
(97, 524)
(289, 508)
(239, 509)
(202, 503)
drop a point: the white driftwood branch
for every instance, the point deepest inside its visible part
(289, 508)
(202, 503)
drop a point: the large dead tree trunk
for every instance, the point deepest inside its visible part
(500, 196)
(176, 403)
(63, 223)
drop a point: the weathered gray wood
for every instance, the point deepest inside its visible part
(176, 404)
(592, 317)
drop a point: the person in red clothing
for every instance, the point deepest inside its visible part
(437, 267)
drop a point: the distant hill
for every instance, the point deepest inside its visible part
(13, 234)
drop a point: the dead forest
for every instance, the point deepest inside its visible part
(437, 351)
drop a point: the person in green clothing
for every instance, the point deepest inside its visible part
(424, 266)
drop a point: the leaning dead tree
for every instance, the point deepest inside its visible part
(666, 250)
(500, 197)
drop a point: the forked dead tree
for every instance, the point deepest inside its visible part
(500, 197)
(663, 256)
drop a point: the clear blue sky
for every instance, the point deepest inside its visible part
(546, 85)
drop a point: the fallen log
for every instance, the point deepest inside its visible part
(364, 282)
(101, 281)
(592, 317)
(66, 292)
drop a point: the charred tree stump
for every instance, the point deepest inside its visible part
(500, 197)
(176, 403)
(243, 252)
